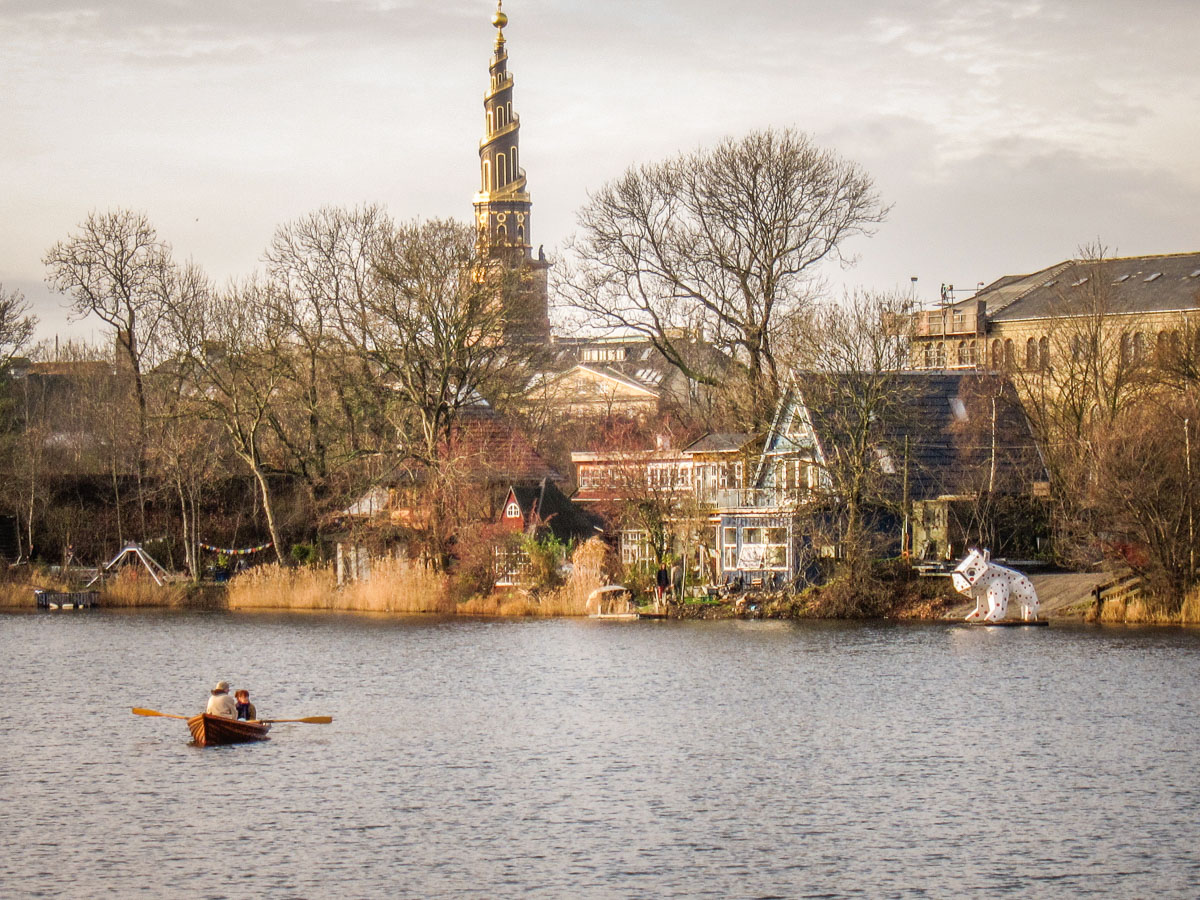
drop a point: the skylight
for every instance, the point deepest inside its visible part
(958, 408)
(1153, 275)
(1081, 281)
(1122, 278)
(1195, 274)
(1050, 283)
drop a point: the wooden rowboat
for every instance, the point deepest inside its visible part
(209, 731)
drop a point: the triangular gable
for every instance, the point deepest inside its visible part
(594, 374)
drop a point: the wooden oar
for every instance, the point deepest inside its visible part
(138, 711)
(310, 720)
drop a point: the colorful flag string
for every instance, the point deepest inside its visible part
(235, 551)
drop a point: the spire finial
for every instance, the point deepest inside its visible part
(499, 20)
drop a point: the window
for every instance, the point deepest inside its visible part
(1031, 354)
(961, 358)
(997, 354)
(512, 511)
(635, 547)
(763, 548)
(1139, 347)
(941, 354)
(1044, 353)
(1010, 354)
(930, 356)
(729, 556)
(1153, 276)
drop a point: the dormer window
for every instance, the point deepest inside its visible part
(512, 511)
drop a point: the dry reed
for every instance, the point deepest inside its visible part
(133, 588)
(17, 587)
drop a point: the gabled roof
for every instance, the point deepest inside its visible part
(941, 422)
(544, 502)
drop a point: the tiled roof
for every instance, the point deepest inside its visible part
(947, 419)
(723, 442)
(1122, 286)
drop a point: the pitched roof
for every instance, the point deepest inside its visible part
(494, 449)
(1125, 285)
(554, 509)
(720, 442)
(943, 422)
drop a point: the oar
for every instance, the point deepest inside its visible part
(138, 711)
(310, 720)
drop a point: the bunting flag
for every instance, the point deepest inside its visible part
(234, 551)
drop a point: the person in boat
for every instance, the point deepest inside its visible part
(220, 703)
(245, 709)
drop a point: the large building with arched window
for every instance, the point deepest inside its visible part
(1128, 310)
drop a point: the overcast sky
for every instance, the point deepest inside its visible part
(1007, 133)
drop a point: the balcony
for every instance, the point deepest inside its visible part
(947, 322)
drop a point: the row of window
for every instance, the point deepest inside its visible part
(1036, 352)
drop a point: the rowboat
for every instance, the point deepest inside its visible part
(210, 731)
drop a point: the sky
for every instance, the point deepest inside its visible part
(1006, 134)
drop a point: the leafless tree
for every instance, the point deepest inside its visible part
(230, 352)
(16, 324)
(720, 244)
(324, 270)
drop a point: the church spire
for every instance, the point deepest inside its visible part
(502, 205)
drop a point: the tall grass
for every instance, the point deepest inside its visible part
(17, 586)
(405, 586)
(133, 587)
(395, 585)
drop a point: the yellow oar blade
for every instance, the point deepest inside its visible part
(139, 711)
(309, 720)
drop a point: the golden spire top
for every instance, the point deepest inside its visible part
(499, 20)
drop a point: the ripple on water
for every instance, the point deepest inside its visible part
(552, 759)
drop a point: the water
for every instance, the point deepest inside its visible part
(599, 759)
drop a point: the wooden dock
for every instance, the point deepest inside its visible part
(67, 599)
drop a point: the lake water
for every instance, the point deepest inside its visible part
(564, 759)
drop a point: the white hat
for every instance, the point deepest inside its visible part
(221, 688)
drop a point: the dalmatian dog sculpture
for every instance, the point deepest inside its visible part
(978, 577)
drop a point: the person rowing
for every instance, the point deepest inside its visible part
(220, 703)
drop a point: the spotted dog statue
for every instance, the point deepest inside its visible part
(978, 577)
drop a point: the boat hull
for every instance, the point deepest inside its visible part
(211, 731)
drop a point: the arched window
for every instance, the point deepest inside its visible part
(997, 354)
(499, 117)
(491, 123)
(941, 354)
(512, 511)
(487, 175)
(502, 234)
(1031, 354)
(1139, 347)
(961, 357)
(1010, 354)
(972, 353)
(521, 235)
(1044, 353)
(512, 161)
(930, 356)
(501, 171)
(1126, 349)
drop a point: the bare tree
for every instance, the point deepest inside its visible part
(116, 268)
(856, 351)
(721, 244)
(231, 355)
(323, 267)
(16, 324)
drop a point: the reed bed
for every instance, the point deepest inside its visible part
(405, 586)
(1142, 610)
(133, 588)
(16, 590)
